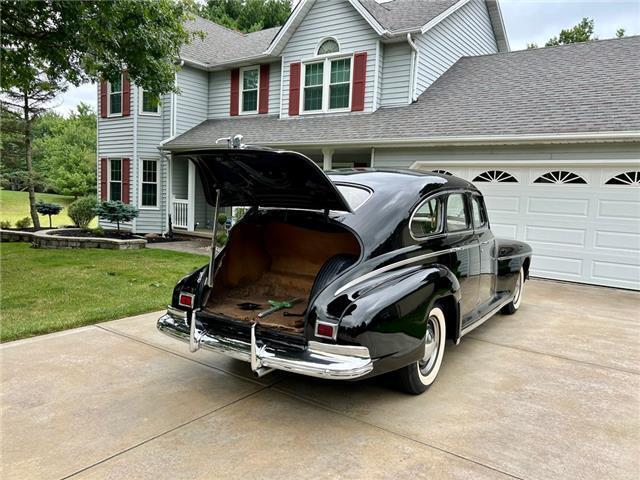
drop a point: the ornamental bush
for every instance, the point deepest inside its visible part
(82, 211)
(4, 224)
(48, 209)
(116, 212)
(23, 223)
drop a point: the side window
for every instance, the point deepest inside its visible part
(426, 219)
(478, 213)
(456, 216)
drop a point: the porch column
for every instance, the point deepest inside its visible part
(191, 197)
(327, 158)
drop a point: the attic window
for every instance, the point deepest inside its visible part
(328, 46)
(495, 176)
(627, 178)
(560, 176)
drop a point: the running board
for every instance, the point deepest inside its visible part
(486, 317)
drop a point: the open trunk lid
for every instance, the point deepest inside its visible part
(265, 178)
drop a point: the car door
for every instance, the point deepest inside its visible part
(463, 245)
(486, 253)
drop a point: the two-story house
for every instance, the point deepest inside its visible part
(549, 135)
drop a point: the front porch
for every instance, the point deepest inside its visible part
(191, 213)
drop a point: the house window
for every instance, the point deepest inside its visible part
(327, 85)
(560, 176)
(149, 183)
(495, 176)
(115, 179)
(149, 103)
(115, 97)
(328, 46)
(627, 178)
(250, 83)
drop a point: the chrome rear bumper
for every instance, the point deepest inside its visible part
(338, 362)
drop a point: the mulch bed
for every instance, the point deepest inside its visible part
(123, 235)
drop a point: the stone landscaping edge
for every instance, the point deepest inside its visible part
(44, 239)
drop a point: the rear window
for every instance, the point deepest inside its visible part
(355, 196)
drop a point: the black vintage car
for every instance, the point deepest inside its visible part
(343, 275)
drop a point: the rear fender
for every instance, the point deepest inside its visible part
(512, 256)
(389, 318)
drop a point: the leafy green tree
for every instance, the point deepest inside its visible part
(620, 32)
(247, 15)
(582, 32)
(116, 211)
(65, 150)
(47, 45)
(49, 209)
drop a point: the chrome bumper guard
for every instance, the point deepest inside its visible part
(337, 362)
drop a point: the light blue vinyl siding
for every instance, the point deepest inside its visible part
(396, 73)
(331, 18)
(220, 91)
(192, 100)
(466, 32)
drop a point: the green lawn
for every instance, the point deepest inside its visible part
(45, 290)
(15, 205)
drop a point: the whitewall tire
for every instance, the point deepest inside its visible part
(518, 291)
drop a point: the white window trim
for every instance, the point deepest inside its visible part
(326, 79)
(121, 98)
(109, 160)
(324, 40)
(157, 182)
(241, 91)
(141, 103)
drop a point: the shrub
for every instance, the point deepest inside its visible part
(116, 211)
(48, 209)
(98, 231)
(4, 224)
(23, 223)
(222, 219)
(221, 239)
(82, 211)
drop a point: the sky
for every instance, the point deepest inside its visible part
(526, 21)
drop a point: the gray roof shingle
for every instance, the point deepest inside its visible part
(406, 14)
(583, 88)
(223, 45)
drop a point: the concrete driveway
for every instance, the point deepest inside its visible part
(552, 392)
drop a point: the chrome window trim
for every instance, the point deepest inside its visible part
(354, 185)
(413, 214)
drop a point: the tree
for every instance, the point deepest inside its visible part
(247, 15)
(49, 209)
(82, 211)
(47, 45)
(65, 149)
(620, 32)
(116, 211)
(582, 32)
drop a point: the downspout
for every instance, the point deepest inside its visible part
(135, 90)
(414, 67)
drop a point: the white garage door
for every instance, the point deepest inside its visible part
(583, 223)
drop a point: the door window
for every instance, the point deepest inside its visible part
(478, 213)
(457, 218)
(426, 219)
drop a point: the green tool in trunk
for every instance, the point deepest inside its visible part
(275, 306)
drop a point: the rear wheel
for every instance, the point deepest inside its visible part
(512, 307)
(420, 375)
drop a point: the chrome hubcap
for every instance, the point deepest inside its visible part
(432, 342)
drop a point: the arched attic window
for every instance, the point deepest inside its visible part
(329, 45)
(560, 177)
(443, 172)
(626, 178)
(495, 176)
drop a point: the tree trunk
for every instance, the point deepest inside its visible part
(28, 154)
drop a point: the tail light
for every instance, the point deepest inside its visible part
(326, 330)
(186, 299)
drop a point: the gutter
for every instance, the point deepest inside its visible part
(414, 68)
(581, 137)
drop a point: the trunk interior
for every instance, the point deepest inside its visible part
(277, 261)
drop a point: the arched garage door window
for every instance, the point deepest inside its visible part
(560, 177)
(495, 176)
(626, 178)
(443, 172)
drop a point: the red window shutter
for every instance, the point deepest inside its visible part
(234, 101)
(294, 88)
(104, 99)
(126, 95)
(264, 89)
(359, 81)
(103, 179)
(126, 180)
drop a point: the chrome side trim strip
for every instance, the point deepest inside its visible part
(401, 263)
(486, 317)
